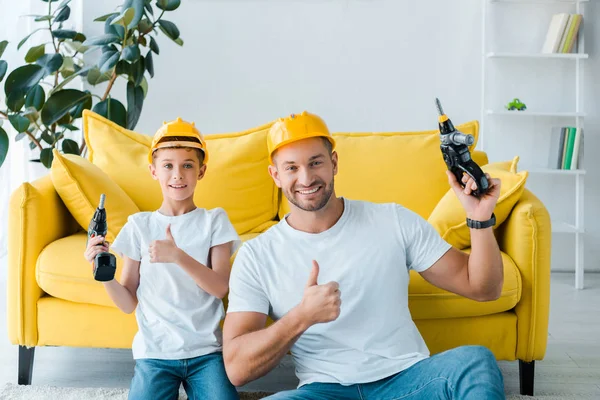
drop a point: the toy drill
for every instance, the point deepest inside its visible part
(105, 264)
(456, 153)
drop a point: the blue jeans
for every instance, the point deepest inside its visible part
(202, 377)
(465, 373)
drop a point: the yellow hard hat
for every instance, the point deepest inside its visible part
(182, 133)
(296, 127)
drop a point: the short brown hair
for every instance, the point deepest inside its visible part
(199, 152)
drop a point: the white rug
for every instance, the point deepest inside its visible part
(11, 391)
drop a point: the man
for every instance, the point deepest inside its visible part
(334, 275)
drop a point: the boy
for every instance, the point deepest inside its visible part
(176, 271)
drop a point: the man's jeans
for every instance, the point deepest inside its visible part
(202, 377)
(464, 373)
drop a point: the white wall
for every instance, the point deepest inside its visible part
(370, 65)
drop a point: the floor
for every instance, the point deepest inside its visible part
(571, 366)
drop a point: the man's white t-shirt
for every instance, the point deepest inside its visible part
(369, 252)
(176, 318)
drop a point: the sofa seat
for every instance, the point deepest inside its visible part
(64, 274)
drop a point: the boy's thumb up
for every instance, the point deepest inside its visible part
(169, 234)
(314, 274)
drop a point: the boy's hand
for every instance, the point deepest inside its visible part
(164, 251)
(92, 249)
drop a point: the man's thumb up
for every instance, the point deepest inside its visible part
(314, 274)
(169, 234)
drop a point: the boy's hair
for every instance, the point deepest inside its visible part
(199, 152)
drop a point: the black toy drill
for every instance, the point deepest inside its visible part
(105, 264)
(456, 153)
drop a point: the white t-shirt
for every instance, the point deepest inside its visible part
(369, 252)
(176, 318)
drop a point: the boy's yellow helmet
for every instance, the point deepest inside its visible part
(184, 134)
(296, 127)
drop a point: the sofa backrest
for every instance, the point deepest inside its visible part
(401, 167)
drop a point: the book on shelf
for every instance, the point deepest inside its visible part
(566, 148)
(563, 33)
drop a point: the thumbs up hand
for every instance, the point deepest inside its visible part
(320, 303)
(164, 251)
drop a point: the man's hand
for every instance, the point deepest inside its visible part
(479, 209)
(164, 251)
(320, 303)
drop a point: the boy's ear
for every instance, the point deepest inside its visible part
(202, 171)
(152, 170)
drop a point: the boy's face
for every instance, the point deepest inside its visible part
(177, 170)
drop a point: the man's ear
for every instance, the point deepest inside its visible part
(202, 171)
(274, 172)
(152, 170)
(334, 160)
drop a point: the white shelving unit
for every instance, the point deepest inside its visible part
(574, 116)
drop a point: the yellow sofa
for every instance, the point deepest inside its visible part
(54, 301)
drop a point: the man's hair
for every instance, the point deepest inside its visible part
(199, 152)
(328, 145)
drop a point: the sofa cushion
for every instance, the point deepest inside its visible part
(80, 183)
(429, 302)
(236, 177)
(63, 272)
(401, 167)
(449, 217)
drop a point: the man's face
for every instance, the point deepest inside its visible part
(178, 170)
(304, 170)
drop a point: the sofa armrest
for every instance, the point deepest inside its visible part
(526, 236)
(37, 217)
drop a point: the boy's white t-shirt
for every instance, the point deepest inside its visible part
(369, 252)
(176, 318)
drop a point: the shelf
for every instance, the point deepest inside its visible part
(568, 56)
(528, 113)
(540, 1)
(563, 227)
(551, 171)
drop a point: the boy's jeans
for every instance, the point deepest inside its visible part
(465, 373)
(202, 377)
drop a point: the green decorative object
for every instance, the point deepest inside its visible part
(516, 104)
(39, 105)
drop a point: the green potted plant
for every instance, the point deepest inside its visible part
(39, 104)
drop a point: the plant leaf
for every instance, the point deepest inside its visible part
(36, 97)
(105, 17)
(50, 62)
(135, 102)
(145, 26)
(22, 42)
(95, 77)
(3, 45)
(23, 78)
(82, 71)
(150, 64)
(4, 143)
(137, 71)
(154, 45)
(78, 110)
(70, 147)
(109, 61)
(144, 86)
(34, 53)
(116, 29)
(112, 109)
(179, 41)
(19, 122)
(168, 5)
(102, 40)
(15, 101)
(64, 34)
(125, 18)
(63, 14)
(46, 157)
(131, 53)
(59, 104)
(41, 18)
(71, 127)
(3, 68)
(169, 28)
(20, 136)
(138, 7)
(46, 137)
